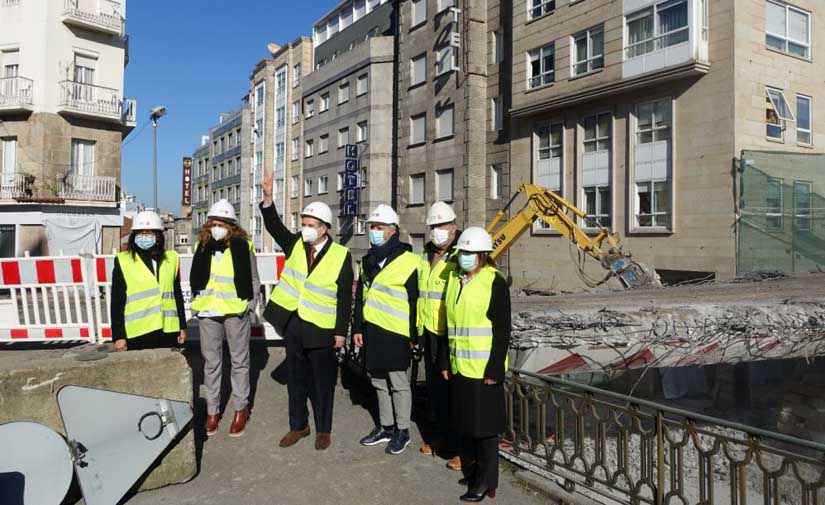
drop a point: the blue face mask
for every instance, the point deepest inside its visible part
(467, 262)
(145, 242)
(377, 238)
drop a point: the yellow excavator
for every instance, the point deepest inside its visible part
(554, 210)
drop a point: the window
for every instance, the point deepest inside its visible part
(238, 137)
(310, 110)
(323, 144)
(8, 159)
(496, 47)
(307, 187)
(296, 74)
(419, 12)
(418, 129)
(279, 152)
(259, 95)
(538, 8)
(343, 137)
(259, 127)
(296, 111)
(653, 163)
(662, 25)
(343, 93)
(444, 185)
(773, 204)
(309, 149)
(359, 9)
(340, 183)
(259, 160)
(803, 119)
(280, 80)
(229, 140)
(788, 29)
(362, 132)
(361, 85)
(84, 73)
(596, 147)
(293, 221)
(588, 50)
(229, 168)
(597, 206)
(418, 69)
(549, 156)
(83, 157)
(325, 102)
(362, 177)
(417, 189)
(346, 17)
(444, 122)
(596, 133)
(323, 182)
(446, 61)
(293, 187)
(280, 115)
(238, 165)
(444, 4)
(215, 174)
(215, 151)
(802, 205)
(541, 69)
(496, 182)
(361, 224)
(777, 111)
(495, 114)
(295, 148)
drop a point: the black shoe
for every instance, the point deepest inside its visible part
(399, 442)
(465, 481)
(475, 496)
(377, 436)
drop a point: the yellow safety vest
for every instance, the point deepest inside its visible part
(469, 330)
(314, 296)
(432, 284)
(220, 295)
(150, 301)
(385, 300)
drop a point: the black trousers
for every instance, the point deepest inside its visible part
(154, 340)
(479, 462)
(312, 374)
(438, 393)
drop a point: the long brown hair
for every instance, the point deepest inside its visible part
(235, 231)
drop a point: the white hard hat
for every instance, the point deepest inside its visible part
(440, 213)
(475, 239)
(320, 211)
(383, 214)
(147, 220)
(222, 210)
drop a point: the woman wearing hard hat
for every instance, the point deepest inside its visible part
(224, 280)
(478, 330)
(385, 324)
(147, 303)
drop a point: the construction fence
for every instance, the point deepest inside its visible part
(781, 224)
(67, 298)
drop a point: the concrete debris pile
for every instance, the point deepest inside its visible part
(671, 327)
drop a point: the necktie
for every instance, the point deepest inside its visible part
(311, 256)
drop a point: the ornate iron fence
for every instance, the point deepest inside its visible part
(629, 450)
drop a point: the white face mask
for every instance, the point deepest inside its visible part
(309, 234)
(439, 236)
(219, 232)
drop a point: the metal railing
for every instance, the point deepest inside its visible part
(9, 3)
(15, 91)
(627, 450)
(129, 115)
(15, 185)
(90, 99)
(113, 21)
(87, 187)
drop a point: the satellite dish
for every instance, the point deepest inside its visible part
(273, 48)
(36, 467)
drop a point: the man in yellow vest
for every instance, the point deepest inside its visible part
(310, 307)
(438, 261)
(385, 326)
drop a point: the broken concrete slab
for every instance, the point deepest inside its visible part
(29, 380)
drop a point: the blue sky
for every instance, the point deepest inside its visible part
(195, 57)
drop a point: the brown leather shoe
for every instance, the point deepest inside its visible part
(454, 464)
(322, 441)
(292, 437)
(427, 450)
(239, 422)
(212, 424)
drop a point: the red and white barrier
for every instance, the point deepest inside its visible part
(48, 300)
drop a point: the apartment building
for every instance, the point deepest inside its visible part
(348, 100)
(454, 91)
(222, 168)
(276, 91)
(62, 118)
(637, 111)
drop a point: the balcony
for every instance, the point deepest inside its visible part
(87, 188)
(16, 94)
(95, 102)
(15, 186)
(74, 15)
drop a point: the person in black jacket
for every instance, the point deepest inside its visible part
(147, 243)
(385, 326)
(312, 323)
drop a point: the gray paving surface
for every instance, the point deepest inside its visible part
(254, 470)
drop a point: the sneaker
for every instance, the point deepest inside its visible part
(377, 436)
(399, 442)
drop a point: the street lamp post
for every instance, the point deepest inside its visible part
(155, 114)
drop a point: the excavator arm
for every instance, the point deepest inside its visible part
(554, 210)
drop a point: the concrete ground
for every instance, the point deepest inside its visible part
(254, 470)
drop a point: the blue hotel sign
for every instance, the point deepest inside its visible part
(350, 180)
